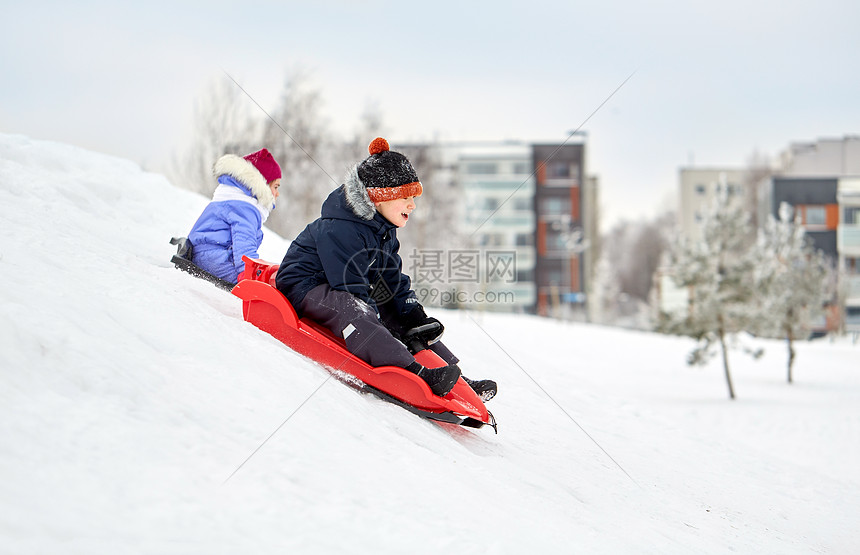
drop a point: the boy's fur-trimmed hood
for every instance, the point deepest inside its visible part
(356, 195)
(245, 173)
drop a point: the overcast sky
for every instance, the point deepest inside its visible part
(711, 81)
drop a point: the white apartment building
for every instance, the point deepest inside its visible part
(498, 184)
(848, 246)
(489, 263)
(824, 157)
(699, 188)
(526, 227)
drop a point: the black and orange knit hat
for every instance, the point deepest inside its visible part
(388, 175)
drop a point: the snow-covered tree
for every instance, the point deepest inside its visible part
(716, 271)
(792, 279)
(313, 159)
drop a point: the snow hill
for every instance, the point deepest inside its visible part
(140, 414)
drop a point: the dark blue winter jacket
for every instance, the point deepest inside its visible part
(352, 248)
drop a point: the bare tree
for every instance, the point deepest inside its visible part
(758, 169)
(605, 292)
(369, 127)
(222, 123)
(436, 224)
(649, 243)
(632, 252)
(298, 138)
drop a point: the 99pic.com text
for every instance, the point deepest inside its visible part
(458, 297)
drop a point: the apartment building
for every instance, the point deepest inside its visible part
(497, 184)
(699, 189)
(526, 228)
(821, 181)
(566, 230)
(848, 246)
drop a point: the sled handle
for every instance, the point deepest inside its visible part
(412, 338)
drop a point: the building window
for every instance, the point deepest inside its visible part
(556, 242)
(522, 204)
(700, 189)
(852, 215)
(734, 189)
(558, 170)
(524, 239)
(489, 203)
(522, 168)
(525, 275)
(481, 168)
(814, 216)
(493, 240)
(552, 206)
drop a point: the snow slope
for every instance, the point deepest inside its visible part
(140, 414)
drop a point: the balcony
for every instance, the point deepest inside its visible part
(848, 238)
(852, 318)
(852, 288)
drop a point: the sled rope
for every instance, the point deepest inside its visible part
(572, 419)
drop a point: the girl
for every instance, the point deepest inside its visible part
(232, 224)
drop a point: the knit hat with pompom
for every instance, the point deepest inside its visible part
(388, 175)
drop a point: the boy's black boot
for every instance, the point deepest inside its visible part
(486, 389)
(441, 380)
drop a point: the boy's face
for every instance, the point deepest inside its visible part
(396, 211)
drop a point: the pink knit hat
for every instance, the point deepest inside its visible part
(265, 164)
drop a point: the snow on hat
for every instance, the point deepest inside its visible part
(388, 175)
(265, 164)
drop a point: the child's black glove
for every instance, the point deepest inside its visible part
(415, 324)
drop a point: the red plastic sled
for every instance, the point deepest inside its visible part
(265, 307)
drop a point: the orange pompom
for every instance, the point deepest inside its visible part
(378, 145)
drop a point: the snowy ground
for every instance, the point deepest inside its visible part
(132, 396)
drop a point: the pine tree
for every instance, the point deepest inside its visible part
(792, 278)
(716, 272)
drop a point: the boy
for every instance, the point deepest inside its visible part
(344, 271)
